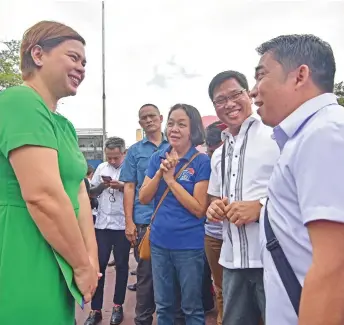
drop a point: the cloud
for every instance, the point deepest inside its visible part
(174, 71)
(166, 52)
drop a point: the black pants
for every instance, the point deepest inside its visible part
(107, 238)
(145, 305)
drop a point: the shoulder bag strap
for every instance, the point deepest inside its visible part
(168, 189)
(284, 269)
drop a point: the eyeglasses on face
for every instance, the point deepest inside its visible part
(234, 96)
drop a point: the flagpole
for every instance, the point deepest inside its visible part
(103, 75)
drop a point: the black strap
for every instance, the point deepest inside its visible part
(284, 269)
(223, 166)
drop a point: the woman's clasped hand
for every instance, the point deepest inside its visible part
(168, 165)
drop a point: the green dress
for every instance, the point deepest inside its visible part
(36, 284)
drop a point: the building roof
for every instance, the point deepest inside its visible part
(89, 131)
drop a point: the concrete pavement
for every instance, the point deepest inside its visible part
(130, 301)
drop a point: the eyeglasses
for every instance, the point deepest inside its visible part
(112, 198)
(222, 101)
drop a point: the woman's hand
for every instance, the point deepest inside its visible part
(168, 166)
(86, 279)
(95, 263)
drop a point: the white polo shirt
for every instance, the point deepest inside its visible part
(306, 185)
(251, 156)
(110, 214)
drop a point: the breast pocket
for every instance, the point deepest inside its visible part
(142, 165)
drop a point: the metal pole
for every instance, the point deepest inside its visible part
(103, 74)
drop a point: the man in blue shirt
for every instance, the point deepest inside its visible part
(138, 216)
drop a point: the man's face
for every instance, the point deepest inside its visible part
(150, 119)
(232, 104)
(114, 157)
(273, 92)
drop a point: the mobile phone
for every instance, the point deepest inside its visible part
(107, 178)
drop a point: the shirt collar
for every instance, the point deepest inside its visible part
(116, 168)
(295, 121)
(145, 139)
(187, 156)
(253, 117)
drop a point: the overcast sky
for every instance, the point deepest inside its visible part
(167, 51)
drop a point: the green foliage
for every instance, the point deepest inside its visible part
(339, 91)
(341, 101)
(9, 64)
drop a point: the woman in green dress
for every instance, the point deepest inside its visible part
(45, 215)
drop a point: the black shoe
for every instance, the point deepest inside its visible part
(133, 272)
(94, 318)
(117, 315)
(112, 263)
(132, 287)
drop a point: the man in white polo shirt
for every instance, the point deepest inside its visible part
(110, 229)
(305, 215)
(240, 170)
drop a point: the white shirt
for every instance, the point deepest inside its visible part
(253, 156)
(306, 185)
(110, 214)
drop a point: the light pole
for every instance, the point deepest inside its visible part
(103, 75)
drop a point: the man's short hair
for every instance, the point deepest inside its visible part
(115, 142)
(226, 75)
(292, 51)
(146, 105)
(90, 170)
(213, 134)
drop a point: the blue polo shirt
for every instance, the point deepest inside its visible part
(134, 171)
(174, 227)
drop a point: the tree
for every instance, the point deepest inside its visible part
(339, 91)
(9, 65)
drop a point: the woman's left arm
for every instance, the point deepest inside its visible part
(86, 226)
(196, 204)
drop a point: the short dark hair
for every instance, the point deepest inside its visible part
(115, 142)
(196, 125)
(90, 170)
(291, 51)
(146, 105)
(213, 134)
(226, 75)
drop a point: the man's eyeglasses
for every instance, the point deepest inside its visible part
(112, 198)
(222, 101)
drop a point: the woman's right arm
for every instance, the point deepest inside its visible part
(151, 182)
(37, 171)
(149, 188)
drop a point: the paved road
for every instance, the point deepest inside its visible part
(129, 305)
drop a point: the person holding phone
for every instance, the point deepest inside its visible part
(110, 229)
